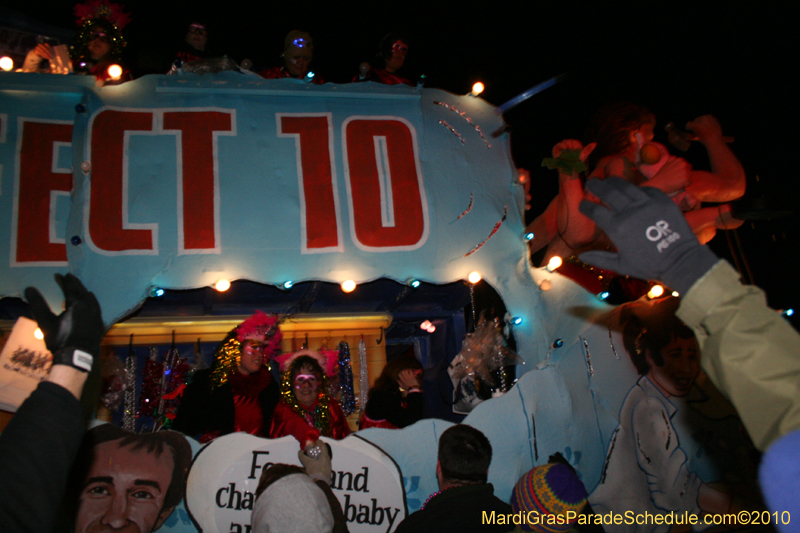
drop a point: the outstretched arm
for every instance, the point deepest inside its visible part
(726, 181)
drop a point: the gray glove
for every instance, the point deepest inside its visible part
(73, 337)
(316, 459)
(651, 234)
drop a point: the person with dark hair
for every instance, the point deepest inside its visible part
(465, 501)
(646, 469)
(305, 404)
(130, 479)
(396, 400)
(298, 51)
(390, 59)
(238, 393)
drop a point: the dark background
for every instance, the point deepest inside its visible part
(680, 59)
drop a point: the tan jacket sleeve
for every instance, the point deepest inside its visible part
(750, 352)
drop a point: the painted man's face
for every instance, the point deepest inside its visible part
(124, 490)
(681, 366)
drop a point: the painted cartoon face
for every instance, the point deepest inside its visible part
(681, 366)
(124, 490)
(306, 386)
(252, 358)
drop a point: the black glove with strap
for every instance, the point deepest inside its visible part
(653, 239)
(73, 337)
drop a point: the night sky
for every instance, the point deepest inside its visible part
(680, 59)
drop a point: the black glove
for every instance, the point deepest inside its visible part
(651, 234)
(73, 337)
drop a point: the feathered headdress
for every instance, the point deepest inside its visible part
(99, 14)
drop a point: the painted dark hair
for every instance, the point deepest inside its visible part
(651, 332)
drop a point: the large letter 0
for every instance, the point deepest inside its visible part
(108, 226)
(388, 210)
(319, 216)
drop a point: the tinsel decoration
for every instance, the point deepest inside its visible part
(483, 353)
(491, 234)
(348, 398)
(322, 413)
(172, 385)
(463, 114)
(226, 359)
(363, 374)
(100, 14)
(151, 384)
(129, 414)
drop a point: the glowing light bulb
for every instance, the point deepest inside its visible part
(529, 236)
(38, 334)
(288, 284)
(603, 295)
(477, 89)
(517, 320)
(787, 312)
(156, 292)
(6, 63)
(425, 325)
(414, 283)
(431, 328)
(222, 285)
(675, 294)
(554, 263)
(474, 277)
(115, 72)
(545, 285)
(348, 285)
(655, 291)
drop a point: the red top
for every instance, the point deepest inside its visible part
(275, 73)
(286, 422)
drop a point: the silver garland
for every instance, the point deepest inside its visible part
(129, 415)
(363, 375)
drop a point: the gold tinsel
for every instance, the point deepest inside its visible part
(322, 414)
(227, 360)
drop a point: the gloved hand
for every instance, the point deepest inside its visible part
(317, 464)
(652, 236)
(73, 337)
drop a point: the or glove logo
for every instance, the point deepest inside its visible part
(661, 233)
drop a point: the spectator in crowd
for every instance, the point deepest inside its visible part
(464, 495)
(749, 350)
(39, 445)
(298, 500)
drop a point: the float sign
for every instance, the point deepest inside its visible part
(222, 482)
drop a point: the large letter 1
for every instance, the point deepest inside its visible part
(318, 204)
(388, 210)
(198, 231)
